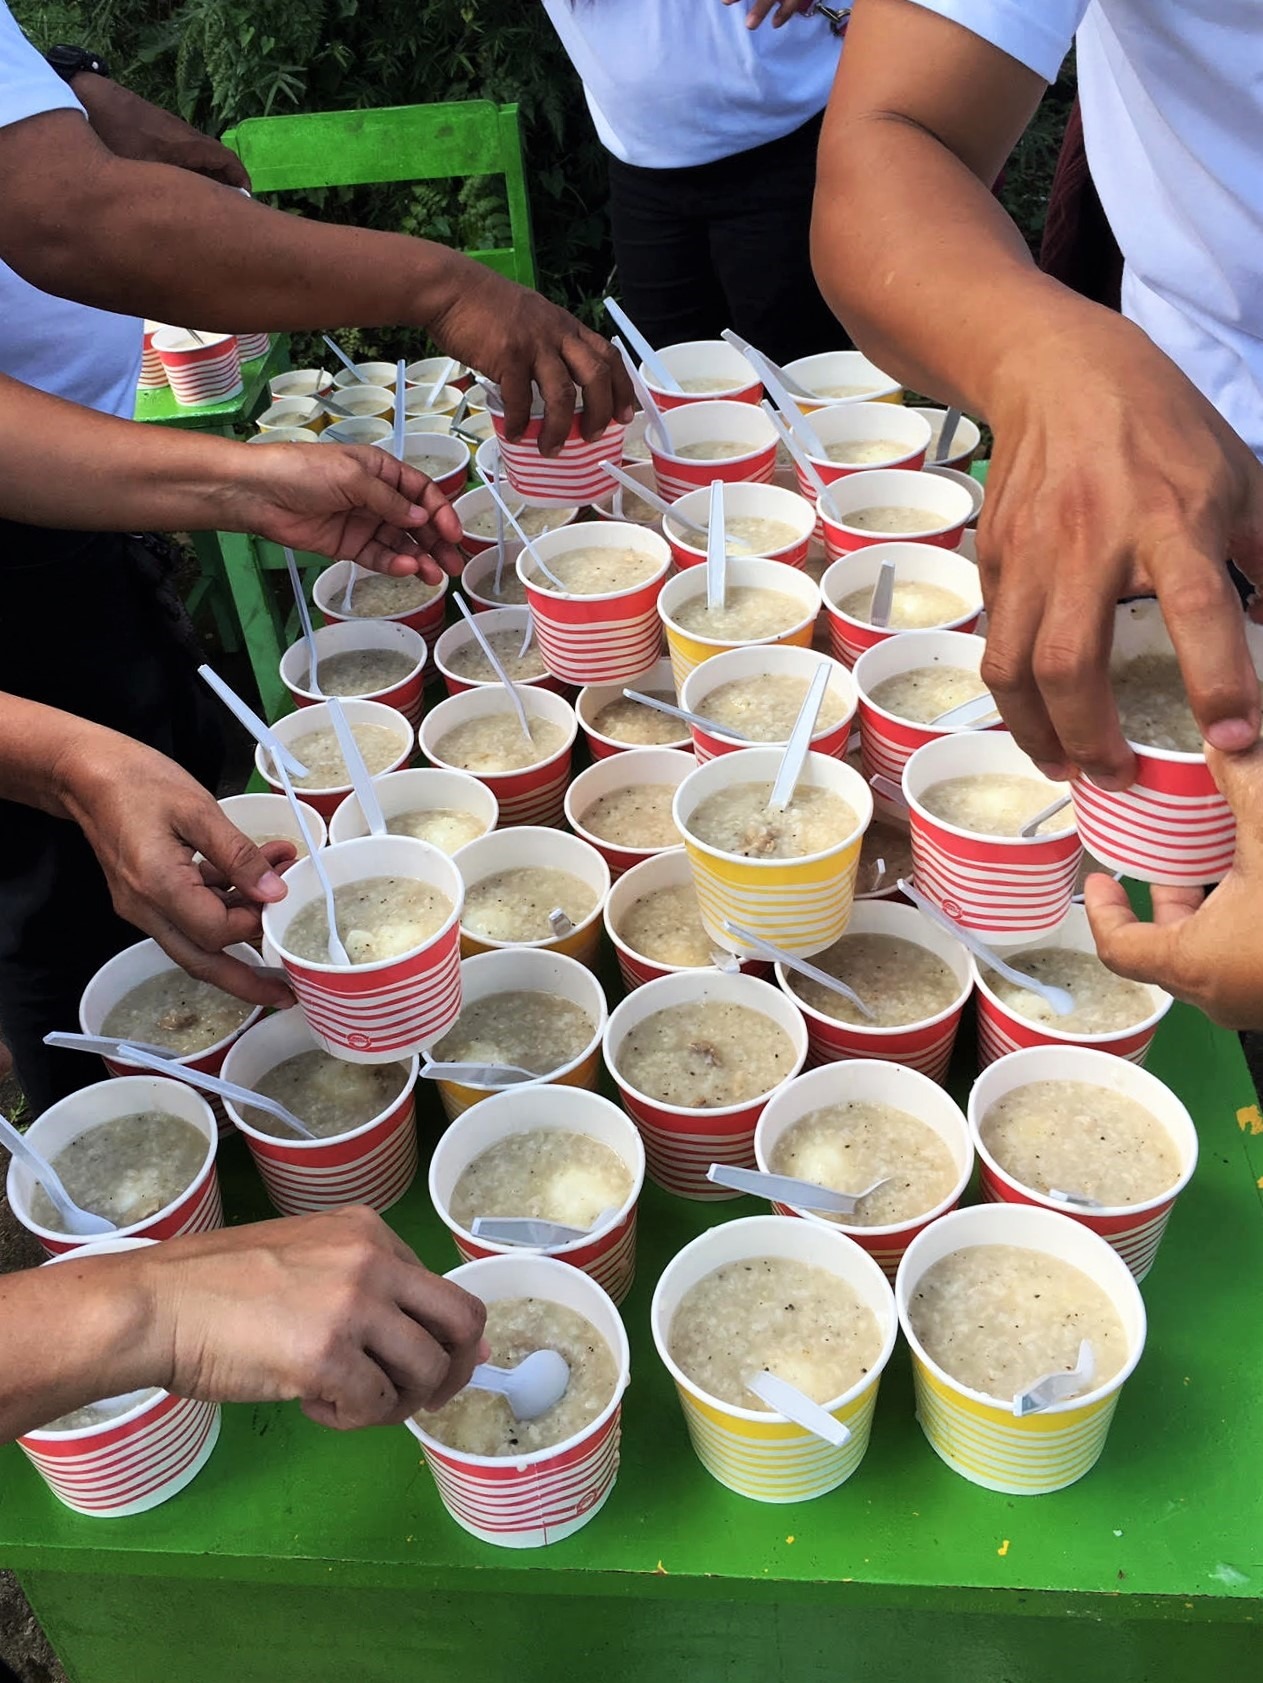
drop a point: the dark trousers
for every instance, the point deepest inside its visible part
(725, 244)
(91, 625)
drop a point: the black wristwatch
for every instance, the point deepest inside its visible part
(68, 62)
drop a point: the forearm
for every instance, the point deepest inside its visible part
(46, 754)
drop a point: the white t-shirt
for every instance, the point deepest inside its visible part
(678, 82)
(1172, 97)
(91, 356)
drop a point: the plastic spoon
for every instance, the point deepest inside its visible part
(559, 923)
(788, 1189)
(1050, 811)
(791, 961)
(304, 619)
(83, 1223)
(751, 353)
(102, 1044)
(644, 350)
(654, 500)
(889, 789)
(883, 597)
(530, 632)
(646, 397)
(1057, 999)
(352, 579)
(527, 545)
(501, 533)
(801, 461)
(797, 422)
(1057, 1387)
(1079, 1199)
(690, 718)
(343, 358)
(716, 551)
(480, 1075)
(361, 780)
(799, 745)
(533, 1231)
(445, 374)
(783, 1398)
(536, 1384)
(946, 434)
(246, 715)
(458, 415)
(401, 415)
(967, 714)
(493, 660)
(217, 1085)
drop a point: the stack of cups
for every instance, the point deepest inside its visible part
(200, 368)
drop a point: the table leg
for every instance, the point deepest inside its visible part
(258, 618)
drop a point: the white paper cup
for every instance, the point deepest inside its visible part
(425, 372)
(364, 429)
(781, 660)
(916, 563)
(546, 849)
(535, 793)
(709, 360)
(599, 638)
(887, 740)
(661, 870)
(416, 790)
(294, 726)
(593, 698)
(380, 374)
(388, 636)
(828, 372)
(664, 768)
(300, 382)
(446, 403)
(689, 648)
(747, 500)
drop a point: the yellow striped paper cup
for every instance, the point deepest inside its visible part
(526, 970)
(528, 846)
(977, 1435)
(804, 904)
(688, 650)
(760, 1454)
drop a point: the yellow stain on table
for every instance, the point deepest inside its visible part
(1250, 1119)
(1003, 1549)
(789, 1539)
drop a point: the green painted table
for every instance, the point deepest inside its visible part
(299, 1556)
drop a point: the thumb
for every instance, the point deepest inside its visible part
(1143, 952)
(241, 863)
(1240, 781)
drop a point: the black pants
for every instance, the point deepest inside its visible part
(91, 625)
(725, 244)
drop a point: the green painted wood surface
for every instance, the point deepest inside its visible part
(228, 414)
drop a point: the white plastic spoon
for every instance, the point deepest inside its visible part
(883, 599)
(690, 718)
(532, 1231)
(967, 714)
(246, 715)
(217, 1085)
(946, 435)
(752, 352)
(559, 923)
(1032, 825)
(646, 398)
(797, 422)
(493, 660)
(527, 545)
(1079, 1199)
(788, 1189)
(801, 461)
(337, 952)
(530, 633)
(501, 532)
(716, 551)
(445, 374)
(105, 1046)
(783, 1398)
(1057, 1387)
(799, 745)
(536, 1384)
(352, 579)
(888, 789)
(304, 619)
(480, 1075)
(341, 410)
(791, 961)
(343, 358)
(82, 1223)
(654, 500)
(401, 412)
(644, 350)
(361, 779)
(1057, 999)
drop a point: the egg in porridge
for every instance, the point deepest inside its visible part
(739, 820)
(849, 1146)
(378, 918)
(444, 827)
(749, 612)
(995, 803)
(328, 1094)
(1072, 1136)
(177, 1012)
(532, 1030)
(513, 905)
(900, 981)
(547, 1174)
(493, 742)
(126, 1169)
(915, 606)
(705, 1056)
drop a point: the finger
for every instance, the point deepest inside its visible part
(1143, 952)
(557, 390)
(453, 1318)
(279, 854)
(208, 830)
(757, 12)
(515, 392)
(591, 373)
(1070, 662)
(356, 1392)
(1014, 612)
(244, 981)
(1240, 781)
(396, 493)
(415, 1363)
(1203, 616)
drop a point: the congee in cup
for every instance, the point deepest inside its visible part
(530, 1028)
(706, 1055)
(1103, 1002)
(359, 672)
(849, 1145)
(320, 751)
(1153, 705)
(916, 604)
(493, 742)
(899, 520)
(548, 1174)
(331, 1096)
(739, 820)
(994, 803)
(533, 521)
(595, 569)
(445, 827)
(923, 692)
(749, 613)
(764, 707)
(382, 596)
(665, 926)
(636, 816)
(177, 1012)
(638, 726)
(378, 918)
(125, 1169)
(514, 904)
(468, 661)
(900, 981)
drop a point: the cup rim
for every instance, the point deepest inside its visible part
(408, 1090)
(855, 835)
(464, 635)
(772, 554)
(239, 949)
(553, 1077)
(1019, 842)
(621, 945)
(1101, 1040)
(843, 676)
(807, 618)
(336, 617)
(524, 559)
(865, 695)
(549, 943)
(575, 820)
(877, 1031)
(262, 754)
(416, 669)
(583, 701)
(491, 777)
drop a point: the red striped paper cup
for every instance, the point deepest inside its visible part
(460, 636)
(925, 1045)
(607, 1253)
(950, 506)
(1133, 1230)
(425, 372)
(593, 698)
(689, 648)
(478, 580)
(680, 1143)
(418, 789)
(870, 1082)
(1001, 1030)
(662, 870)
(1002, 887)
(153, 376)
(375, 1013)
(917, 563)
(720, 370)
(251, 346)
(597, 639)
(842, 377)
(195, 1210)
(206, 369)
(385, 635)
(1172, 826)
(549, 1494)
(329, 592)
(662, 768)
(316, 716)
(776, 661)
(749, 500)
(965, 441)
(356, 429)
(888, 741)
(530, 970)
(533, 795)
(901, 435)
(135, 1461)
(574, 475)
(373, 1164)
(742, 424)
(552, 850)
(127, 970)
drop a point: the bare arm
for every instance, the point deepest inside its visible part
(1110, 471)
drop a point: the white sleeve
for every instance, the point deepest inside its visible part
(28, 85)
(1038, 33)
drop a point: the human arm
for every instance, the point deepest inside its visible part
(1110, 471)
(133, 128)
(331, 1309)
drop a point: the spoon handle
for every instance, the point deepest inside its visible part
(525, 1230)
(716, 550)
(799, 745)
(646, 397)
(44, 1172)
(1032, 825)
(690, 718)
(361, 781)
(784, 1189)
(883, 597)
(1056, 1387)
(401, 410)
(788, 1400)
(650, 497)
(493, 660)
(947, 434)
(480, 1075)
(966, 937)
(791, 961)
(794, 417)
(342, 357)
(754, 356)
(801, 461)
(527, 545)
(652, 361)
(445, 374)
(261, 733)
(217, 1085)
(337, 952)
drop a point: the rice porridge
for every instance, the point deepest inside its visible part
(900, 981)
(126, 1169)
(300, 847)
(737, 820)
(433, 467)
(867, 450)
(995, 803)
(98, 1413)
(705, 1056)
(513, 905)
(444, 827)
(914, 607)
(714, 449)
(481, 1423)
(512, 592)
(749, 612)
(493, 742)
(359, 672)
(643, 727)
(638, 816)
(1072, 1136)
(636, 449)
(533, 521)
(628, 506)
(885, 856)
(379, 595)
(549, 1174)
(318, 750)
(598, 570)
(666, 927)
(749, 534)
(764, 708)
(771, 1314)
(175, 1011)
(1153, 705)
(378, 918)
(535, 1031)
(847, 1147)
(468, 661)
(843, 391)
(705, 383)
(924, 692)
(330, 1096)
(1103, 1002)
(999, 1317)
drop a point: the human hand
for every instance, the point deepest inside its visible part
(1112, 475)
(331, 1309)
(353, 502)
(1207, 950)
(515, 336)
(784, 9)
(132, 128)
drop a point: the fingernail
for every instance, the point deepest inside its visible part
(270, 887)
(1231, 735)
(418, 515)
(1056, 771)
